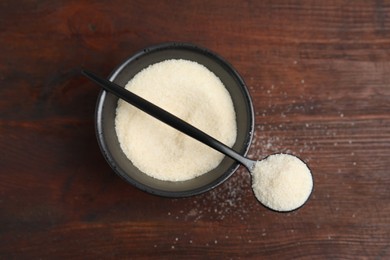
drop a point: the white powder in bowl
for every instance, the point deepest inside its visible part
(282, 182)
(191, 92)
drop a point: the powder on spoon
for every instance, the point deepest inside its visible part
(282, 182)
(191, 92)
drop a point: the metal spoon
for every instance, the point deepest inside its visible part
(189, 130)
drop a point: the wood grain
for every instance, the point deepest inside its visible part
(319, 76)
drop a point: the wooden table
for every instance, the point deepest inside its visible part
(319, 76)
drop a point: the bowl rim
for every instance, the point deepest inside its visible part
(111, 160)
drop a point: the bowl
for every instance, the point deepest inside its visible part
(106, 109)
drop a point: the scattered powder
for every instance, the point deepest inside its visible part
(225, 202)
(191, 92)
(282, 182)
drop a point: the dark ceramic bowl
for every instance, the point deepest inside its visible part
(107, 103)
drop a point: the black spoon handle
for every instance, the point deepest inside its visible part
(168, 118)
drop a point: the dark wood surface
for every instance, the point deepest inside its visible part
(319, 76)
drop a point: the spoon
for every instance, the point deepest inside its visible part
(254, 167)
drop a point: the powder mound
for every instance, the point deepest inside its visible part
(189, 91)
(282, 182)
